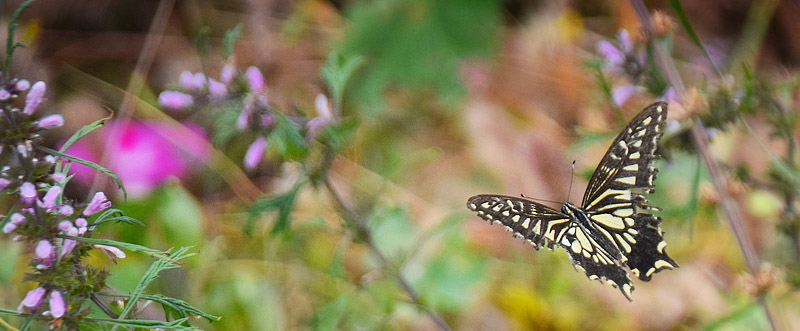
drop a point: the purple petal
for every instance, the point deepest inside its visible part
(173, 100)
(51, 121)
(624, 39)
(610, 53)
(4, 183)
(228, 71)
(255, 153)
(323, 107)
(216, 89)
(22, 85)
(17, 218)
(99, 202)
(66, 210)
(4, 95)
(112, 252)
(57, 306)
(44, 250)
(27, 192)
(621, 94)
(255, 79)
(49, 200)
(67, 247)
(188, 81)
(64, 225)
(33, 299)
(34, 98)
(9, 227)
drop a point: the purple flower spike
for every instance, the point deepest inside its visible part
(57, 306)
(28, 193)
(22, 85)
(51, 121)
(32, 300)
(4, 95)
(4, 183)
(112, 252)
(255, 79)
(49, 200)
(216, 89)
(44, 250)
(255, 153)
(99, 202)
(35, 97)
(228, 71)
(175, 100)
(611, 53)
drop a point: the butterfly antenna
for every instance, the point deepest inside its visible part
(571, 177)
(537, 199)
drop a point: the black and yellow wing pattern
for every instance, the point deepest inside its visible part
(613, 230)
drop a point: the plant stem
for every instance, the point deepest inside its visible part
(364, 233)
(729, 206)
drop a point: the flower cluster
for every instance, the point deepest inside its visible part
(46, 222)
(246, 91)
(626, 64)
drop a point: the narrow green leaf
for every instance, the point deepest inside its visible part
(148, 324)
(162, 255)
(337, 71)
(230, 39)
(287, 139)
(328, 317)
(687, 26)
(152, 274)
(12, 26)
(86, 129)
(283, 203)
(115, 215)
(89, 164)
(201, 40)
(178, 305)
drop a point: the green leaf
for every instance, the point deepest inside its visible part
(178, 324)
(328, 317)
(181, 216)
(283, 203)
(89, 164)
(230, 39)
(152, 274)
(115, 215)
(127, 246)
(392, 232)
(687, 26)
(86, 129)
(12, 26)
(177, 305)
(338, 134)
(201, 40)
(287, 139)
(337, 71)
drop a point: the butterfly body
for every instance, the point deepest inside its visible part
(613, 230)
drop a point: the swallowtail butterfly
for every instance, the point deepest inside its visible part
(613, 230)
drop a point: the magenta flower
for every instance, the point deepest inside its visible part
(112, 252)
(99, 203)
(9, 227)
(57, 306)
(34, 98)
(244, 117)
(51, 121)
(611, 53)
(44, 250)
(49, 200)
(173, 100)
(67, 247)
(32, 300)
(4, 183)
(58, 177)
(27, 192)
(22, 85)
(255, 153)
(255, 79)
(146, 155)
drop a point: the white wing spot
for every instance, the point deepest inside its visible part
(662, 264)
(506, 213)
(526, 222)
(631, 167)
(537, 228)
(624, 244)
(627, 289)
(576, 247)
(629, 238)
(515, 218)
(634, 156)
(661, 246)
(637, 143)
(609, 220)
(623, 212)
(650, 272)
(647, 120)
(627, 180)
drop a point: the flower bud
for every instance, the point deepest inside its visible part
(51, 121)
(255, 79)
(99, 202)
(34, 98)
(255, 153)
(175, 100)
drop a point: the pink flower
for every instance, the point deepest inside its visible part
(145, 155)
(99, 203)
(323, 119)
(610, 53)
(49, 200)
(67, 247)
(66, 210)
(64, 225)
(9, 227)
(112, 252)
(27, 192)
(192, 82)
(228, 71)
(255, 79)
(57, 306)
(255, 153)
(51, 121)
(621, 94)
(4, 95)
(4, 183)
(216, 89)
(32, 300)
(173, 100)
(44, 250)
(34, 98)
(22, 85)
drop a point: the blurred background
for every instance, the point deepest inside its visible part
(453, 98)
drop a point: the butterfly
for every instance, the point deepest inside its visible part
(613, 230)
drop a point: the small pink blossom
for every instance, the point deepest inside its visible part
(22, 85)
(67, 247)
(173, 100)
(58, 177)
(35, 97)
(4, 95)
(255, 79)
(27, 192)
(32, 300)
(255, 153)
(191, 82)
(216, 89)
(57, 306)
(64, 225)
(9, 227)
(228, 71)
(44, 250)
(81, 222)
(51, 121)
(610, 52)
(621, 94)
(49, 200)
(99, 202)
(112, 252)
(4, 183)
(66, 210)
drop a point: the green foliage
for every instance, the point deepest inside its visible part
(418, 44)
(89, 164)
(337, 71)
(12, 26)
(230, 39)
(282, 203)
(180, 215)
(287, 140)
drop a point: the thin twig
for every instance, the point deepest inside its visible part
(729, 206)
(364, 233)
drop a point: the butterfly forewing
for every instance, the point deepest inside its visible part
(538, 224)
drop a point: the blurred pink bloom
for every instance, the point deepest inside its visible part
(9, 227)
(173, 100)
(621, 94)
(323, 119)
(4, 183)
(66, 210)
(49, 200)
(625, 40)
(228, 71)
(255, 79)
(216, 89)
(27, 192)
(99, 202)
(112, 252)
(255, 153)
(32, 300)
(51, 121)
(64, 225)
(145, 155)
(610, 53)
(22, 85)
(192, 82)
(34, 98)
(67, 247)
(4, 95)
(44, 250)
(57, 306)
